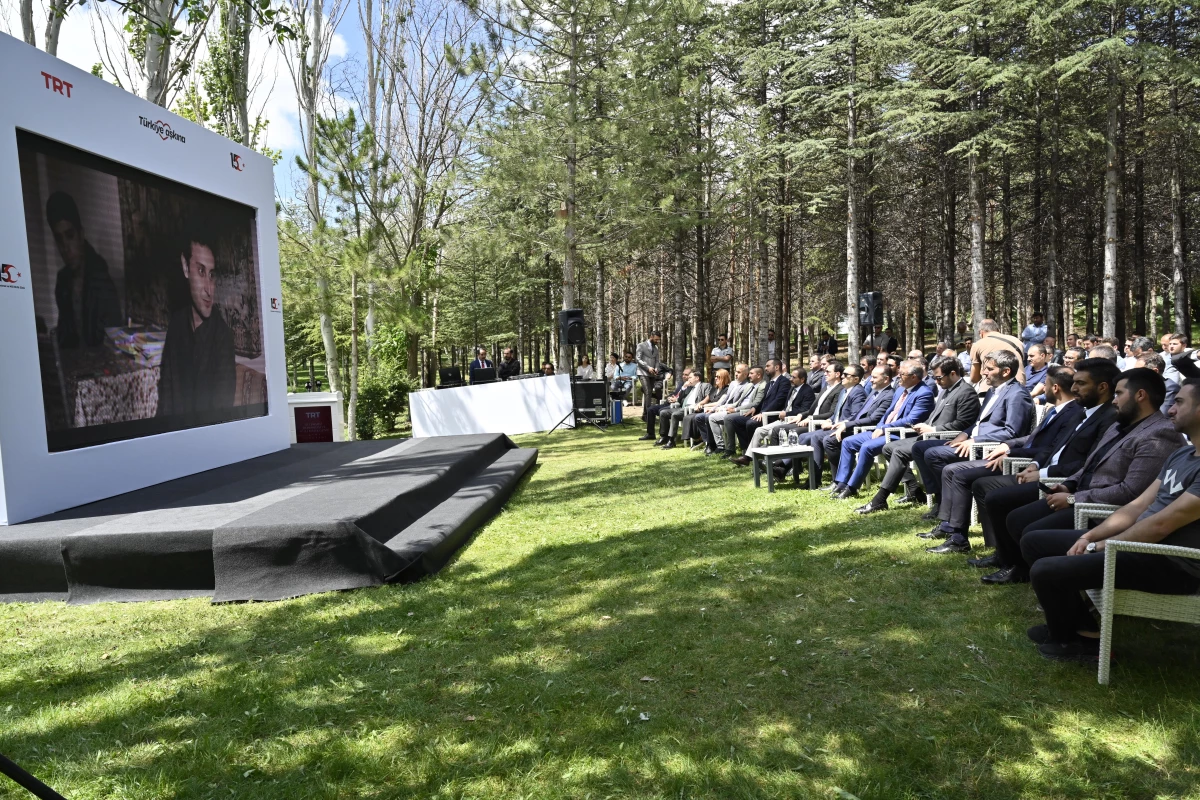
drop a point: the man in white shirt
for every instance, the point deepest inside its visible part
(722, 355)
(771, 344)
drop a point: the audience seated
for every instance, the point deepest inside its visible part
(1038, 356)
(653, 412)
(800, 401)
(743, 394)
(1121, 463)
(626, 372)
(956, 409)
(908, 405)
(739, 426)
(841, 401)
(1072, 355)
(693, 423)
(1064, 563)
(1151, 360)
(1007, 412)
(1106, 351)
(1083, 410)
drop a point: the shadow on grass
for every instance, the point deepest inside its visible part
(786, 654)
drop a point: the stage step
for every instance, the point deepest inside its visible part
(313, 518)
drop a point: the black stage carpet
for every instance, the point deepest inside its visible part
(313, 518)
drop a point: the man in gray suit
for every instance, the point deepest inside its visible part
(750, 396)
(697, 391)
(956, 410)
(649, 368)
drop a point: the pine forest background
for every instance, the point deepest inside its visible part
(692, 166)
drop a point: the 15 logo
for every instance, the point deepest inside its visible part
(236, 162)
(8, 273)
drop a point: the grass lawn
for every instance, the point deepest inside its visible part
(635, 624)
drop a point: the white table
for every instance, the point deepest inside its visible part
(528, 405)
(772, 454)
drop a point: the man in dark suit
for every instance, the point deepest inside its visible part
(846, 396)
(481, 362)
(816, 373)
(956, 410)
(960, 481)
(654, 412)
(1122, 463)
(1006, 413)
(910, 404)
(878, 397)
(828, 344)
(739, 427)
(800, 401)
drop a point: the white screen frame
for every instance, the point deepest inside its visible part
(101, 119)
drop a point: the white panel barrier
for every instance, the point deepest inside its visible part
(530, 405)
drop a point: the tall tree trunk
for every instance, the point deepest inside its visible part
(853, 343)
(1109, 290)
(975, 202)
(1006, 250)
(568, 276)
(27, 32)
(1139, 215)
(677, 321)
(949, 247)
(157, 61)
(54, 20)
(1179, 283)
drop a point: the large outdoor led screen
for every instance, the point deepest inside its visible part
(146, 299)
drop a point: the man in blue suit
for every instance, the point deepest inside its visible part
(912, 403)
(879, 398)
(1006, 414)
(739, 427)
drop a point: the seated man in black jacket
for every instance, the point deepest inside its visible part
(800, 400)
(774, 398)
(1061, 443)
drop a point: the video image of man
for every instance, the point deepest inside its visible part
(146, 299)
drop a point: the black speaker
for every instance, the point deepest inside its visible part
(570, 326)
(590, 399)
(870, 308)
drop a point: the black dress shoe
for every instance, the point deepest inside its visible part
(1039, 634)
(846, 494)
(835, 489)
(670, 445)
(1005, 576)
(1082, 650)
(931, 513)
(986, 562)
(742, 461)
(935, 532)
(645, 438)
(914, 497)
(949, 547)
(871, 508)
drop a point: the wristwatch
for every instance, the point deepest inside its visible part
(1091, 547)
(1070, 499)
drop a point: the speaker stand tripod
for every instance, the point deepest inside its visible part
(577, 420)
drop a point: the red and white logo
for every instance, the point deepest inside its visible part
(57, 84)
(236, 162)
(276, 305)
(10, 277)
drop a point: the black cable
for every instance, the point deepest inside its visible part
(31, 783)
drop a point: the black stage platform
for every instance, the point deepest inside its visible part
(313, 518)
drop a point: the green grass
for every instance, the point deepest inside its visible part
(779, 646)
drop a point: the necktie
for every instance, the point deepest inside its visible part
(837, 409)
(899, 407)
(1046, 422)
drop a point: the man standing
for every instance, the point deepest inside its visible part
(956, 410)
(1035, 332)
(481, 362)
(721, 356)
(991, 340)
(771, 343)
(510, 365)
(827, 345)
(197, 371)
(83, 291)
(649, 365)
(1065, 563)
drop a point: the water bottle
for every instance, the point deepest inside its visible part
(793, 439)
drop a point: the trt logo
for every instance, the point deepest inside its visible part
(236, 162)
(8, 273)
(56, 84)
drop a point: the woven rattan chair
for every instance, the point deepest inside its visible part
(1109, 600)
